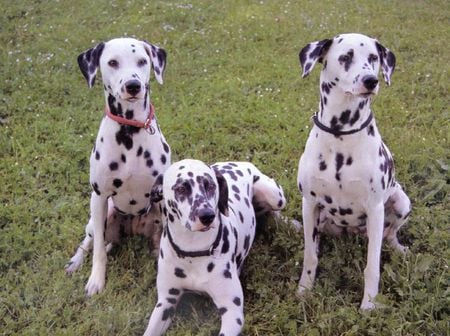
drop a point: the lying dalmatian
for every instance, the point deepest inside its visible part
(346, 173)
(130, 150)
(209, 226)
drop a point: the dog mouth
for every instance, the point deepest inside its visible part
(361, 94)
(367, 94)
(132, 99)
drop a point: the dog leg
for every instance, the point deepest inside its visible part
(310, 227)
(85, 246)
(163, 312)
(230, 303)
(375, 221)
(96, 281)
(396, 215)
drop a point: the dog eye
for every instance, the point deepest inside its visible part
(113, 63)
(373, 58)
(142, 62)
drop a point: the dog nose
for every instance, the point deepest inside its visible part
(206, 216)
(370, 82)
(133, 87)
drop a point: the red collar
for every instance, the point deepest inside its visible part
(135, 123)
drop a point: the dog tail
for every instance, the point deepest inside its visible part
(268, 195)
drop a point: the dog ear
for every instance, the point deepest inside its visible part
(387, 60)
(89, 62)
(223, 193)
(158, 57)
(312, 53)
(156, 194)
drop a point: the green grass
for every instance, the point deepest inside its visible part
(232, 91)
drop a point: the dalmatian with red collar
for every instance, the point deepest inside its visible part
(130, 150)
(346, 172)
(209, 226)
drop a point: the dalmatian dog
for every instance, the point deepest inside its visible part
(346, 173)
(130, 150)
(209, 226)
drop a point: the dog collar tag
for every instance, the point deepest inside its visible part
(150, 129)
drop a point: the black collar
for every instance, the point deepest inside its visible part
(193, 254)
(336, 132)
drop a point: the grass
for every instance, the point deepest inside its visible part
(232, 91)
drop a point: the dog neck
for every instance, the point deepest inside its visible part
(342, 112)
(132, 110)
(189, 244)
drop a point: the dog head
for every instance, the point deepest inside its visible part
(125, 66)
(194, 195)
(351, 62)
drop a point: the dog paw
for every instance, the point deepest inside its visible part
(301, 291)
(367, 305)
(94, 285)
(74, 264)
(71, 267)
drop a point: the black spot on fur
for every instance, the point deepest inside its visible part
(237, 301)
(226, 243)
(174, 291)
(168, 313)
(328, 199)
(210, 267)
(322, 165)
(172, 300)
(139, 151)
(179, 273)
(129, 114)
(345, 116)
(227, 274)
(97, 155)
(125, 136)
(222, 311)
(117, 183)
(113, 165)
(345, 211)
(95, 187)
(315, 231)
(166, 147)
(246, 242)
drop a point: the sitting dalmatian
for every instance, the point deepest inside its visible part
(130, 151)
(209, 226)
(346, 173)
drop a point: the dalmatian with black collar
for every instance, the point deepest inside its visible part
(346, 173)
(130, 150)
(209, 227)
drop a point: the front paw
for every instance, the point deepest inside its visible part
(367, 305)
(95, 284)
(74, 263)
(301, 291)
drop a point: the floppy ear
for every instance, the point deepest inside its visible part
(312, 53)
(156, 194)
(158, 57)
(223, 193)
(387, 60)
(89, 62)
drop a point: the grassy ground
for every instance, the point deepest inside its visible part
(232, 91)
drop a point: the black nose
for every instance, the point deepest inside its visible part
(206, 216)
(133, 87)
(370, 82)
